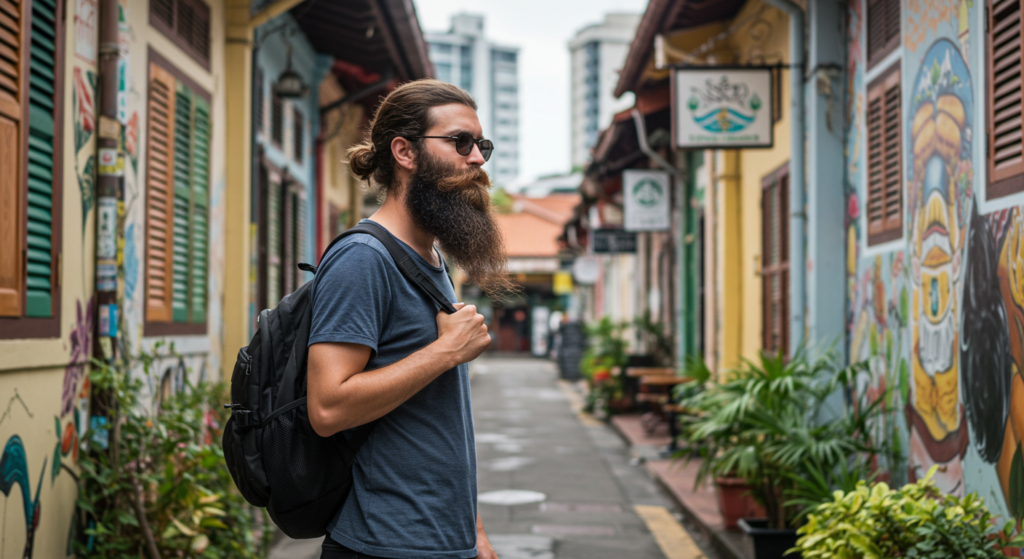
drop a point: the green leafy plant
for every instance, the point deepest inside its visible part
(155, 482)
(772, 423)
(606, 350)
(917, 520)
(654, 337)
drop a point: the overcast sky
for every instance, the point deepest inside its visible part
(542, 30)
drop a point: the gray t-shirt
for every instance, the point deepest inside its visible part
(414, 481)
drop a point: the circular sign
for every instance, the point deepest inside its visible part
(648, 193)
(586, 270)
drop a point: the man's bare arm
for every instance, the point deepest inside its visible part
(342, 396)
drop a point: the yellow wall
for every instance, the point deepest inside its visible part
(736, 176)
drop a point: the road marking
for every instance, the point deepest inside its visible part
(576, 403)
(672, 538)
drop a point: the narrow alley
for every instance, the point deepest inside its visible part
(554, 484)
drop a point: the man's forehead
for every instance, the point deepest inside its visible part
(453, 119)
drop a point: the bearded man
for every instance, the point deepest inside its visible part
(379, 349)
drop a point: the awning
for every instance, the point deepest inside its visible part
(664, 16)
(378, 35)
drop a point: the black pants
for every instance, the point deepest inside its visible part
(334, 550)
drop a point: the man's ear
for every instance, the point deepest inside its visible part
(402, 151)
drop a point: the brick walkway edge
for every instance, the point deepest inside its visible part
(700, 504)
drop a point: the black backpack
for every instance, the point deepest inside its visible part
(275, 457)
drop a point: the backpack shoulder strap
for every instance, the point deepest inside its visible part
(403, 259)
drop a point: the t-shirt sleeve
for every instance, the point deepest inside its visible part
(352, 297)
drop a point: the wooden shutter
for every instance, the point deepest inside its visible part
(12, 93)
(1005, 148)
(775, 262)
(182, 177)
(885, 152)
(160, 156)
(42, 140)
(186, 23)
(199, 251)
(883, 29)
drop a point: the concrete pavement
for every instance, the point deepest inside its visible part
(555, 484)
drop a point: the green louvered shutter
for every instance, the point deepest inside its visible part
(182, 202)
(200, 212)
(42, 84)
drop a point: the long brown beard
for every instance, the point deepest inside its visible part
(455, 206)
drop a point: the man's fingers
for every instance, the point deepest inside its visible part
(459, 305)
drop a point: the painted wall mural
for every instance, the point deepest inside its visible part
(940, 314)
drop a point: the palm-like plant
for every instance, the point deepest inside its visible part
(772, 423)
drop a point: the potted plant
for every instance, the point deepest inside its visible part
(766, 422)
(735, 500)
(916, 520)
(606, 351)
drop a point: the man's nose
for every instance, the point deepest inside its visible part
(475, 156)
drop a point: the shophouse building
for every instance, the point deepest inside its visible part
(884, 218)
(130, 150)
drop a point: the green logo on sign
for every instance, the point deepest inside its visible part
(648, 193)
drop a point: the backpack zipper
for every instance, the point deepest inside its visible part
(283, 409)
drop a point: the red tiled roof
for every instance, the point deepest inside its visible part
(534, 229)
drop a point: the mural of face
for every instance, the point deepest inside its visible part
(940, 140)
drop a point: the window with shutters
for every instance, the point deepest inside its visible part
(31, 94)
(276, 120)
(186, 23)
(282, 235)
(885, 166)
(1004, 53)
(775, 261)
(177, 204)
(883, 29)
(298, 135)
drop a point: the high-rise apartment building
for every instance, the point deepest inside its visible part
(463, 56)
(597, 53)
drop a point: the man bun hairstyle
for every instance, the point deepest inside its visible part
(404, 112)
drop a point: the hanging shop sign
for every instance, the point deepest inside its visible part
(611, 241)
(723, 107)
(646, 202)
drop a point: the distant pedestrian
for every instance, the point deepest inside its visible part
(380, 350)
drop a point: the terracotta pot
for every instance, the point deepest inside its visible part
(735, 501)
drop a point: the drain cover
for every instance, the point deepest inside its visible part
(511, 497)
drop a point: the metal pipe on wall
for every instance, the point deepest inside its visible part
(797, 168)
(109, 183)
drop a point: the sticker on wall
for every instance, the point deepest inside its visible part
(107, 235)
(86, 29)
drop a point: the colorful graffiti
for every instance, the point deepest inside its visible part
(14, 471)
(84, 110)
(938, 168)
(943, 316)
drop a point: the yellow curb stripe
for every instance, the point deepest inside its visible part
(672, 538)
(576, 403)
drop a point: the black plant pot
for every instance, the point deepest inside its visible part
(769, 543)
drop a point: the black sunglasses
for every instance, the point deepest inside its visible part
(464, 143)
